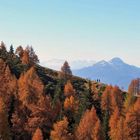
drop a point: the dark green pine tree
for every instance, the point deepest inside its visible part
(11, 51)
(58, 93)
(106, 125)
(85, 101)
(88, 96)
(58, 97)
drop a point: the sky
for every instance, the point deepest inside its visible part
(73, 29)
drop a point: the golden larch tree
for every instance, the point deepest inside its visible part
(121, 129)
(2, 67)
(42, 115)
(106, 100)
(37, 135)
(60, 131)
(89, 126)
(2, 46)
(68, 89)
(4, 126)
(66, 72)
(71, 104)
(133, 121)
(97, 133)
(25, 58)
(30, 87)
(10, 81)
(117, 98)
(8, 86)
(113, 124)
(134, 88)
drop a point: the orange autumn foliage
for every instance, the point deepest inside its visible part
(28, 56)
(37, 135)
(25, 58)
(4, 126)
(8, 85)
(89, 127)
(133, 121)
(121, 129)
(134, 87)
(33, 107)
(30, 87)
(106, 99)
(69, 90)
(116, 98)
(8, 79)
(2, 67)
(111, 98)
(60, 131)
(71, 104)
(2, 46)
(113, 124)
(42, 115)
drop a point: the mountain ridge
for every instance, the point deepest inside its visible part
(114, 72)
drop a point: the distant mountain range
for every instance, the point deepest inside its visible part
(115, 72)
(77, 64)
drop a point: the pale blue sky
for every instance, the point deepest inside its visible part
(74, 29)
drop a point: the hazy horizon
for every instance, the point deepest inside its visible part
(73, 30)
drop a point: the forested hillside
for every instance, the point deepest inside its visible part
(37, 103)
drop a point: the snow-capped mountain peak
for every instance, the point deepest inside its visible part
(115, 72)
(116, 60)
(102, 63)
